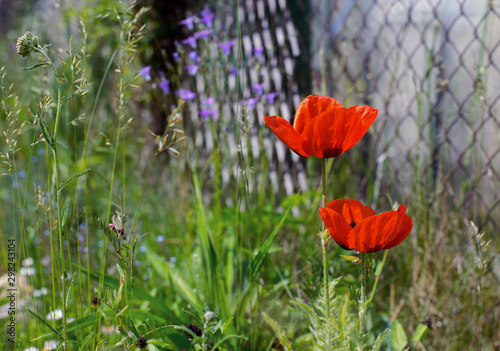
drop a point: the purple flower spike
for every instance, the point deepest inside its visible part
(185, 94)
(206, 17)
(146, 72)
(189, 22)
(258, 51)
(203, 34)
(251, 102)
(192, 69)
(271, 97)
(258, 88)
(165, 86)
(208, 102)
(191, 41)
(226, 47)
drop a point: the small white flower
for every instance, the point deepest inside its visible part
(40, 292)
(109, 330)
(32, 348)
(28, 271)
(27, 262)
(49, 345)
(55, 315)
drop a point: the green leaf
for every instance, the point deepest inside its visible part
(399, 340)
(420, 333)
(120, 270)
(85, 341)
(37, 65)
(168, 272)
(258, 261)
(350, 258)
(378, 343)
(41, 319)
(72, 178)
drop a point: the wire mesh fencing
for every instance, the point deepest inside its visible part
(431, 68)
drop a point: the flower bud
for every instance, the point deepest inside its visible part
(26, 44)
(208, 316)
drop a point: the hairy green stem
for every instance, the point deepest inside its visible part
(324, 241)
(363, 302)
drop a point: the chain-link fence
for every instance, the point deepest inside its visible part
(431, 68)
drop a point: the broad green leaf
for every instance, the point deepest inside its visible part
(420, 333)
(399, 340)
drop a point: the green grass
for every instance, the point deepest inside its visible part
(240, 248)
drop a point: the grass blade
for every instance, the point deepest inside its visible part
(264, 250)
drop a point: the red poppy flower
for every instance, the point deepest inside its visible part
(323, 127)
(357, 227)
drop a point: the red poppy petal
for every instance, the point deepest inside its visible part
(403, 229)
(337, 226)
(310, 107)
(323, 135)
(287, 134)
(338, 205)
(358, 120)
(374, 232)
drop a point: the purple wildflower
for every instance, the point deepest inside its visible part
(251, 102)
(192, 69)
(226, 47)
(190, 41)
(203, 33)
(233, 71)
(176, 57)
(189, 22)
(206, 17)
(146, 72)
(185, 94)
(258, 51)
(165, 86)
(208, 101)
(271, 97)
(258, 88)
(193, 55)
(205, 113)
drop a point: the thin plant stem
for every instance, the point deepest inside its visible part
(363, 302)
(377, 276)
(324, 241)
(58, 182)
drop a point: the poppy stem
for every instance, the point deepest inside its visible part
(363, 303)
(324, 241)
